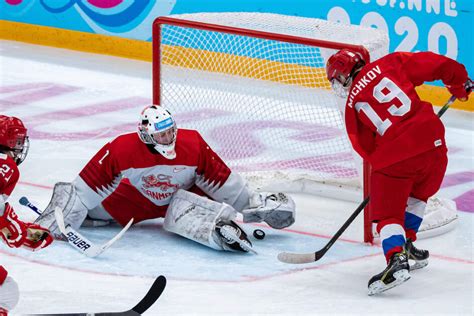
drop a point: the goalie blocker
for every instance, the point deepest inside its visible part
(190, 215)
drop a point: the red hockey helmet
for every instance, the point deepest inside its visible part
(13, 137)
(341, 65)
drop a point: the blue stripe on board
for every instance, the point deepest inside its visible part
(243, 46)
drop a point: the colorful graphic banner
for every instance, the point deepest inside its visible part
(441, 26)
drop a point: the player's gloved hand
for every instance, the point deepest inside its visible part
(37, 237)
(461, 92)
(12, 230)
(276, 209)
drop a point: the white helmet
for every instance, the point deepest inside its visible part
(158, 128)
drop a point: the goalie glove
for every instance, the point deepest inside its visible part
(12, 230)
(37, 237)
(276, 209)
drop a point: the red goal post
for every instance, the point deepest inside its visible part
(254, 85)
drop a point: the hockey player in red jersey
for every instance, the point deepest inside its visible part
(402, 138)
(163, 171)
(15, 233)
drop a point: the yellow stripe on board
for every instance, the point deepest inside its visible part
(244, 66)
(440, 95)
(192, 58)
(81, 41)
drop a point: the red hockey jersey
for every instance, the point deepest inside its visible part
(3, 274)
(158, 178)
(386, 120)
(9, 175)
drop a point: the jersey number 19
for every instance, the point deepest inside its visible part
(394, 92)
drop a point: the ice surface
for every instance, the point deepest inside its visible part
(74, 102)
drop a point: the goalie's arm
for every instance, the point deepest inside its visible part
(99, 177)
(217, 180)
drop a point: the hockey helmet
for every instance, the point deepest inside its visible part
(341, 66)
(13, 138)
(158, 128)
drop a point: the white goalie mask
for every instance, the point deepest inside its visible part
(158, 128)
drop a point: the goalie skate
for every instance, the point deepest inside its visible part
(396, 273)
(234, 237)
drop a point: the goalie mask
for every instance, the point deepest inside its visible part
(342, 67)
(158, 128)
(13, 138)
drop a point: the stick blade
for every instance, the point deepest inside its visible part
(296, 258)
(153, 294)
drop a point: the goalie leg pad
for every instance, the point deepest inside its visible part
(438, 212)
(65, 197)
(196, 217)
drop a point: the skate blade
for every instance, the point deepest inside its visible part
(243, 245)
(419, 264)
(379, 287)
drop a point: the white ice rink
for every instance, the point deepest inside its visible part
(74, 102)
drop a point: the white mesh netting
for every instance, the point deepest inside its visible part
(264, 105)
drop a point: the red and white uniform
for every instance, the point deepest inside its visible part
(9, 175)
(130, 179)
(9, 294)
(400, 136)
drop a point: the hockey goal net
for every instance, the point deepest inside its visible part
(254, 85)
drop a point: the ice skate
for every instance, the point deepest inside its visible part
(420, 256)
(396, 272)
(234, 237)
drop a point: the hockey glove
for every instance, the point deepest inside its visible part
(461, 92)
(37, 237)
(276, 209)
(12, 230)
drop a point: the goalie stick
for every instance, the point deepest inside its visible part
(147, 301)
(74, 238)
(289, 257)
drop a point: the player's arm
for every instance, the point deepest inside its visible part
(12, 230)
(16, 233)
(217, 180)
(99, 177)
(428, 66)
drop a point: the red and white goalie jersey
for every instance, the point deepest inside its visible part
(386, 120)
(128, 167)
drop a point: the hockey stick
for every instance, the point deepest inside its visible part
(74, 238)
(469, 85)
(296, 258)
(147, 301)
(315, 256)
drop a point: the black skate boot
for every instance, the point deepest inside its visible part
(234, 238)
(396, 272)
(420, 256)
